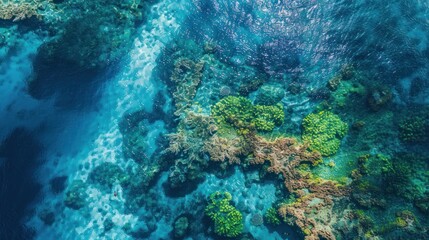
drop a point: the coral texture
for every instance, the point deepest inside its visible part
(227, 220)
(323, 132)
(315, 195)
(240, 113)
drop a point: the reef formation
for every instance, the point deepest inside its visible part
(345, 156)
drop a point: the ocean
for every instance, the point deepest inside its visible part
(213, 119)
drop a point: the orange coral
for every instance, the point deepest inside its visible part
(221, 149)
(285, 155)
(314, 195)
(20, 10)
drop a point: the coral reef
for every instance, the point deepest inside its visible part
(227, 220)
(186, 75)
(96, 52)
(315, 195)
(405, 218)
(257, 219)
(250, 86)
(107, 174)
(268, 117)
(323, 132)
(187, 146)
(222, 149)
(226, 117)
(236, 111)
(23, 9)
(135, 142)
(272, 217)
(366, 179)
(76, 195)
(181, 227)
(378, 176)
(85, 38)
(187, 143)
(347, 91)
(414, 129)
(240, 113)
(347, 72)
(378, 97)
(406, 177)
(80, 36)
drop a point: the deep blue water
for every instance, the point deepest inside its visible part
(60, 120)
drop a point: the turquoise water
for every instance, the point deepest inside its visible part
(121, 120)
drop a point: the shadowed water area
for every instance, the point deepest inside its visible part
(213, 119)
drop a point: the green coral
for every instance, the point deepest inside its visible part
(400, 222)
(408, 176)
(365, 221)
(272, 217)
(345, 92)
(240, 113)
(323, 131)
(413, 129)
(228, 221)
(267, 117)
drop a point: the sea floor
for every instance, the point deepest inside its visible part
(191, 108)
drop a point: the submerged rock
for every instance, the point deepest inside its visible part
(181, 227)
(47, 217)
(135, 143)
(257, 219)
(108, 224)
(58, 184)
(379, 97)
(107, 174)
(76, 195)
(270, 94)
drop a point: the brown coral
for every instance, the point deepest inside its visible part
(202, 125)
(221, 149)
(314, 194)
(20, 10)
(192, 131)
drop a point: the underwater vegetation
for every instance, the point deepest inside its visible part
(83, 39)
(216, 120)
(414, 129)
(323, 131)
(22, 9)
(240, 113)
(272, 216)
(227, 220)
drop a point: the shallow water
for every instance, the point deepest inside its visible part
(67, 111)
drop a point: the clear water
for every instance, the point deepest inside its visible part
(59, 121)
